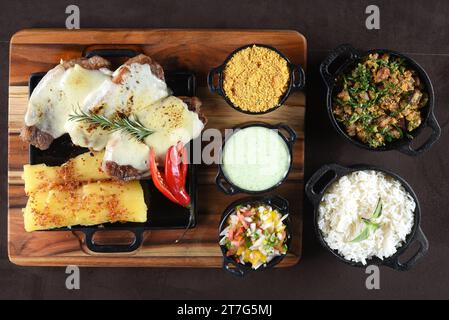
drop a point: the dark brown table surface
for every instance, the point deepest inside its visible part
(417, 28)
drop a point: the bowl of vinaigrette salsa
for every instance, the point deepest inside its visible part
(254, 234)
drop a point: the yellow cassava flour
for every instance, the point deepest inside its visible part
(255, 79)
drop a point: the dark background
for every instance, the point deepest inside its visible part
(417, 28)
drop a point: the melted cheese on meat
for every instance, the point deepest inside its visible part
(125, 150)
(138, 87)
(147, 97)
(58, 94)
(171, 121)
(139, 92)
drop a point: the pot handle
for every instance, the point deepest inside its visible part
(111, 248)
(432, 123)
(223, 185)
(291, 138)
(280, 202)
(232, 267)
(315, 196)
(298, 82)
(111, 53)
(210, 80)
(422, 251)
(335, 54)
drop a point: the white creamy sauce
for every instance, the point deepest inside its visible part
(58, 94)
(255, 158)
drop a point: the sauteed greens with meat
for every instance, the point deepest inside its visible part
(380, 100)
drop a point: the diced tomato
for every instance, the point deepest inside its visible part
(231, 234)
(242, 220)
(239, 233)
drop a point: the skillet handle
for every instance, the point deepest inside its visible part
(111, 53)
(111, 248)
(233, 268)
(298, 82)
(340, 51)
(291, 138)
(315, 196)
(432, 123)
(223, 185)
(210, 80)
(422, 251)
(281, 202)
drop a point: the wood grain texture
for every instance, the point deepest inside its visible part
(37, 50)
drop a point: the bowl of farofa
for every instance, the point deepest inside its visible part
(256, 79)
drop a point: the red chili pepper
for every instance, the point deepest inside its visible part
(184, 161)
(158, 179)
(172, 185)
(175, 171)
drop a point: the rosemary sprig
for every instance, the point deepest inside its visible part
(130, 125)
(370, 226)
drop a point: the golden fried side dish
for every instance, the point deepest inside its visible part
(79, 193)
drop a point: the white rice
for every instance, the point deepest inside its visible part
(354, 197)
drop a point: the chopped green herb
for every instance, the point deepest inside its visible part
(130, 125)
(370, 226)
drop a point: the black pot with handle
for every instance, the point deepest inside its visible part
(322, 178)
(297, 79)
(344, 58)
(229, 263)
(287, 134)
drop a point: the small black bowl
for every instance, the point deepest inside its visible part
(416, 235)
(294, 83)
(225, 185)
(229, 263)
(343, 59)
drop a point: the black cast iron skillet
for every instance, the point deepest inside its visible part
(225, 185)
(62, 149)
(295, 83)
(342, 60)
(229, 263)
(416, 234)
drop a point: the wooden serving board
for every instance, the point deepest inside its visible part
(37, 50)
